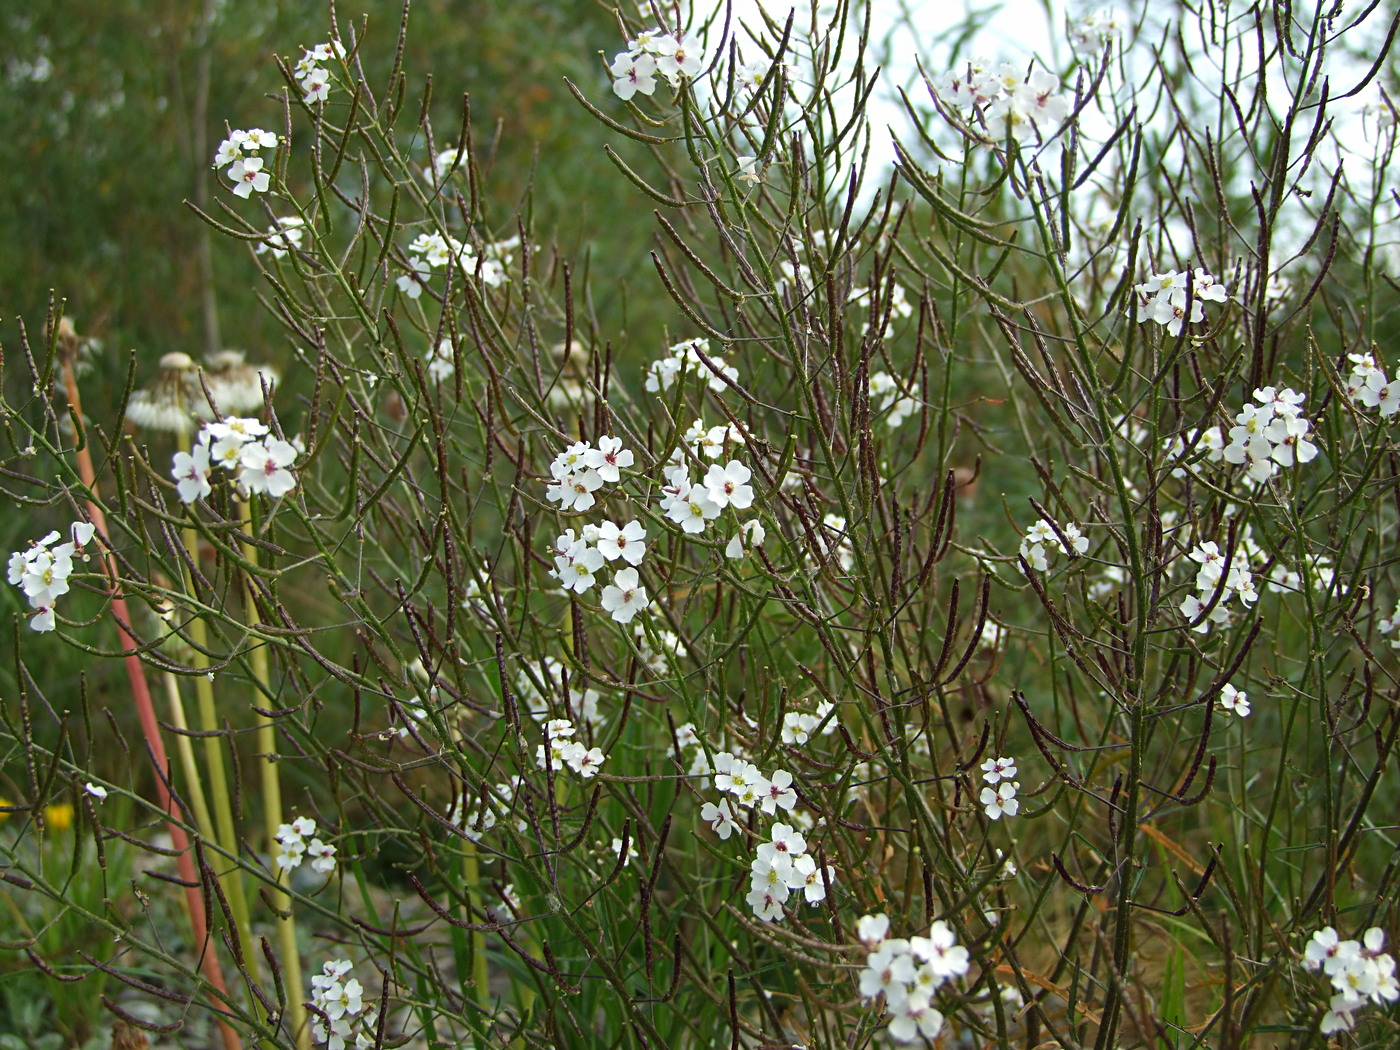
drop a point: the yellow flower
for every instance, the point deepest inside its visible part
(59, 817)
(4, 816)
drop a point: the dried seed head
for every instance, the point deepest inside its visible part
(235, 386)
(167, 401)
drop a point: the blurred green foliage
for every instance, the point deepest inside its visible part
(106, 143)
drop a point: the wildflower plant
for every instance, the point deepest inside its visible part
(933, 574)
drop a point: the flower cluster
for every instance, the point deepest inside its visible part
(710, 442)
(1238, 582)
(887, 394)
(1271, 434)
(1360, 972)
(1369, 388)
(907, 972)
(749, 788)
(444, 164)
(780, 866)
(42, 572)
(1011, 102)
(244, 171)
(292, 848)
(258, 459)
(312, 76)
(653, 52)
(693, 505)
(433, 251)
(1092, 33)
(579, 472)
(999, 796)
(340, 1003)
(564, 686)
(686, 357)
(1174, 298)
(442, 361)
(834, 540)
(565, 751)
(798, 726)
(284, 237)
(892, 302)
(1042, 535)
(475, 814)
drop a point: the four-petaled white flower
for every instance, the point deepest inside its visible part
(1234, 701)
(248, 177)
(191, 472)
(626, 542)
(625, 596)
(995, 769)
(1001, 800)
(728, 486)
(264, 467)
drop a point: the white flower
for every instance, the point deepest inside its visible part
(263, 467)
(692, 509)
(808, 877)
(625, 543)
(682, 60)
(995, 769)
(785, 841)
(96, 791)
(1035, 558)
(43, 619)
(872, 929)
(288, 851)
(766, 902)
(441, 363)
(584, 761)
(914, 1018)
(607, 458)
(720, 818)
(230, 150)
(728, 486)
(411, 283)
(888, 970)
(1231, 699)
(283, 237)
(317, 85)
(1001, 800)
(575, 491)
(341, 1000)
(446, 161)
(572, 460)
(633, 73)
(941, 952)
(248, 177)
(322, 856)
(625, 596)
(576, 572)
(780, 794)
(191, 473)
(257, 138)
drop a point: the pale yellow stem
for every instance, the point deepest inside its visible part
(272, 805)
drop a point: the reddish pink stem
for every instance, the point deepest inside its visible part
(145, 709)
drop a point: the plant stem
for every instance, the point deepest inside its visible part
(150, 727)
(272, 802)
